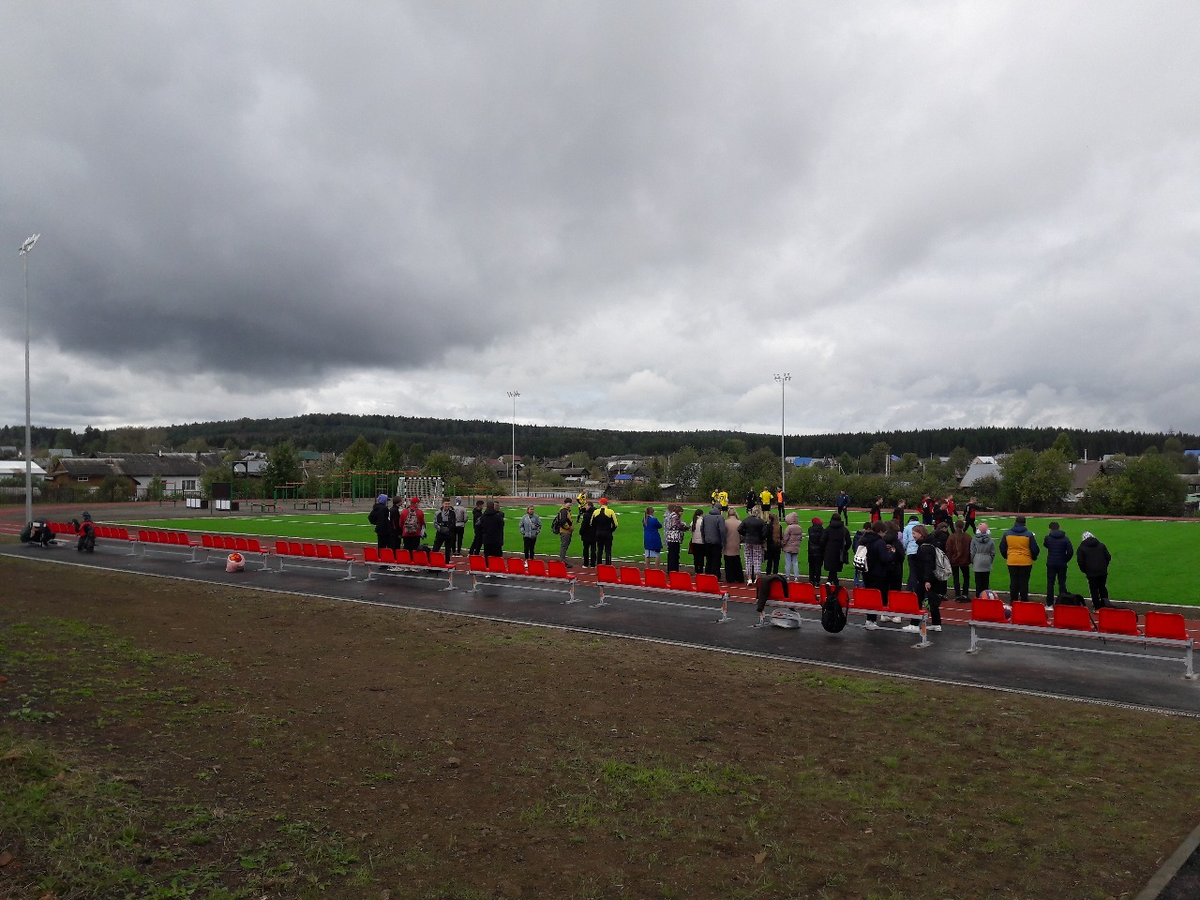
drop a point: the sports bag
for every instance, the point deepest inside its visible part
(833, 615)
(942, 570)
(860, 558)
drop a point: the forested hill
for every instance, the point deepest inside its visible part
(335, 432)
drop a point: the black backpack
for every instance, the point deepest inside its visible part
(833, 614)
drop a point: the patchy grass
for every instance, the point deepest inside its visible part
(190, 741)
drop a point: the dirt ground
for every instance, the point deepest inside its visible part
(268, 745)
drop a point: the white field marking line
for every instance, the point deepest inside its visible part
(576, 629)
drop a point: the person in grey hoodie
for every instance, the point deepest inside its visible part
(712, 526)
(983, 554)
(792, 537)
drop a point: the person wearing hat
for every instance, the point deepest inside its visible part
(1093, 559)
(604, 525)
(378, 516)
(816, 551)
(412, 525)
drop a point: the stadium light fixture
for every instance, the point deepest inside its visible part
(24, 253)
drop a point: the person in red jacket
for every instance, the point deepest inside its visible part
(412, 525)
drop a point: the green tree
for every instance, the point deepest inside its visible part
(1063, 445)
(388, 458)
(1034, 482)
(879, 454)
(156, 489)
(283, 467)
(684, 469)
(960, 461)
(359, 456)
(442, 464)
(1154, 487)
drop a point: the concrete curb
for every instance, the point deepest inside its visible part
(1162, 879)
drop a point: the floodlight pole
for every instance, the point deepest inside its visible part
(514, 395)
(783, 380)
(24, 253)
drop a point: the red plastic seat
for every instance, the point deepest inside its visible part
(294, 548)
(309, 550)
(420, 558)
(1166, 625)
(337, 551)
(656, 578)
(254, 546)
(536, 567)
(387, 556)
(476, 564)
(904, 603)
(1117, 621)
(1026, 612)
(556, 568)
(680, 581)
(516, 565)
(708, 584)
(801, 592)
(403, 557)
(370, 554)
(323, 551)
(606, 574)
(241, 545)
(282, 548)
(1073, 618)
(207, 541)
(631, 575)
(868, 598)
(228, 542)
(496, 564)
(988, 609)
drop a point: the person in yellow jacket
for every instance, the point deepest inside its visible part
(1019, 547)
(765, 497)
(723, 500)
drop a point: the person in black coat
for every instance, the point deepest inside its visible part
(1058, 553)
(930, 591)
(835, 547)
(816, 533)
(379, 517)
(880, 556)
(1093, 558)
(491, 531)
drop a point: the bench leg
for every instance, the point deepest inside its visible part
(602, 602)
(349, 573)
(924, 642)
(450, 580)
(974, 648)
(1187, 662)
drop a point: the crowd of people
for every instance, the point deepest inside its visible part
(933, 550)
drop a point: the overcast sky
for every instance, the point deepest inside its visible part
(633, 213)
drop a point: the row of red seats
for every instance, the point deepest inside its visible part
(172, 538)
(659, 580)
(518, 565)
(224, 542)
(389, 557)
(312, 550)
(112, 532)
(1163, 625)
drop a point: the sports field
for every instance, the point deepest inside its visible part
(1153, 561)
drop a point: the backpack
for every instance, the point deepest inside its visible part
(833, 614)
(860, 558)
(942, 570)
(557, 524)
(411, 526)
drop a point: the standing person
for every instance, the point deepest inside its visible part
(764, 499)
(444, 524)
(1059, 551)
(460, 525)
(381, 518)
(816, 531)
(781, 501)
(754, 532)
(491, 531)
(530, 527)
(950, 507)
(843, 506)
(879, 564)
(930, 591)
(793, 536)
(835, 545)
(1093, 559)
(476, 536)
(723, 500)
(863, 531)
(733, 549)
(713, 529)
(876, 510)
(563, 527)
(910, 550)
(398, 509)
(604, 525)
(674, 531)
(587, 534)
(894, 538)
(941, 514)
(696, 544)
(1020, 549)
(926, 511)
(771, 549)
(969, 514)
(898, 513)
(983, 553)
(651, 536)
(958, 550)
(751, 499)
(412, 525)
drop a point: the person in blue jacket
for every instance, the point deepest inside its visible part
(651, 536)
(1059, 551)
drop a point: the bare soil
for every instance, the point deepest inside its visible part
(271, 745)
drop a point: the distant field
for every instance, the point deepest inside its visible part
(1153, 561)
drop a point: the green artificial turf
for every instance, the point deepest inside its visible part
(1153, 560)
